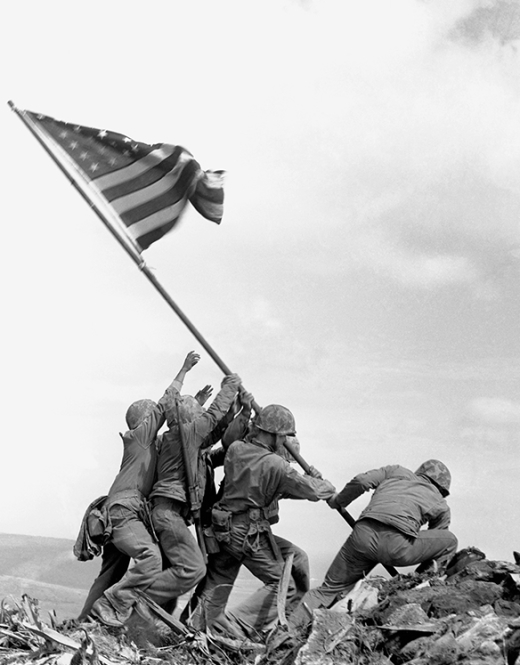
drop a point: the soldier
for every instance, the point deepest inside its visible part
(171, 510)
(255, 613)
(388, 530)
(254, 477)
(126, 505)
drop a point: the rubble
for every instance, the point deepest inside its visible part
(470, 616)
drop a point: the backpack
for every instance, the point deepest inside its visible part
(95, 530)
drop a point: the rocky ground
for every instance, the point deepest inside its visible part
(471, 616)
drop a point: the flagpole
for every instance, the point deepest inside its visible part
(129, 249)
(134, 254)
(205, 344)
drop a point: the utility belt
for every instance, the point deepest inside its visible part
(117, 497)
(143, 511)
(257, 521)
(177, 506)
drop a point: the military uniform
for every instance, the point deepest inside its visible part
(388, 531)
(126, 508)
(254, 477)
(170, 503)
(256, 612)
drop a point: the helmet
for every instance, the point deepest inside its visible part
(276, 419)
(138, 411)
(438, 473)
(189, 409)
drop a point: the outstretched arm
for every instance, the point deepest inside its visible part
(364, 482)
(351, 491)
(237, 428)
(189, 362)
(209, 419)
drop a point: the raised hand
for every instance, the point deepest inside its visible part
(204, 394)
(190, 361)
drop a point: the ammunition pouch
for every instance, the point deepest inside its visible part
(255, 520)
(258, 525)
(221, 524)
(210, 540)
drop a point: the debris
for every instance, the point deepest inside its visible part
(283, 586)
(464, 558)
(363, 596)
(410, 617)
(471, 617)
(168, 619)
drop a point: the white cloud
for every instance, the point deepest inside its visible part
(495, 411)
(413, 268)
(260, 314)
(373, 130)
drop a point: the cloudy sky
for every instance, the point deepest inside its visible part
(365, 274)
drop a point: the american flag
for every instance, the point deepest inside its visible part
(146, 186)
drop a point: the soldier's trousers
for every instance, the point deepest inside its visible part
(259, 609)
(180, 548)
(372, 542)
(223, 567)
(114, 565)
(131, 537)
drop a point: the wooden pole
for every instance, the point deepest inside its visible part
(130, 249)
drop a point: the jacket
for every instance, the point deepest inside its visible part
(171, 476)
(401, 499)
(137, 470)
(256, 476)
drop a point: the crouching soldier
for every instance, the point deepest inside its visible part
(389, 530)
(254, 476)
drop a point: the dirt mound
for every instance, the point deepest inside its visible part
(471, 616)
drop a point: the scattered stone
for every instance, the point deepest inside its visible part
(363, 597)
(471, 617)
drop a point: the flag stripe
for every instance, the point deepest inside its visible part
(174, 165)
(157, 219)
(208, 197)
(150, 161)
(166, 201)
(148, 238)
(170, 182)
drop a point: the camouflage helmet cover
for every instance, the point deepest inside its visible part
(438, 473)
(189, 409)
(138, 411)
(276, 419)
